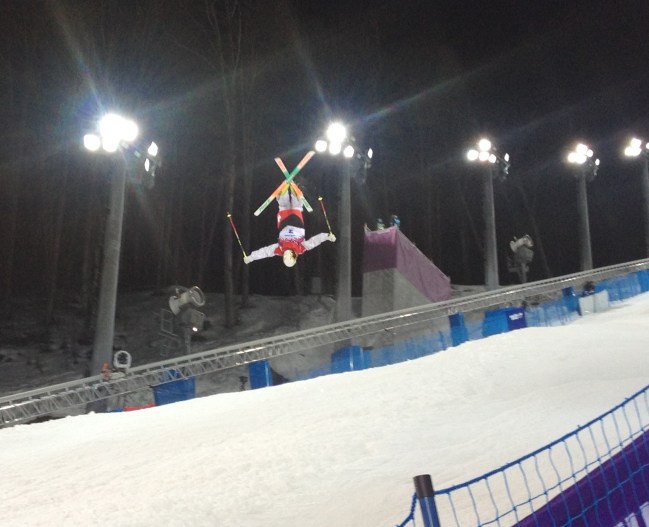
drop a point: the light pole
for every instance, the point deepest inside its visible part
(486, 153)
(115, 134)
(582, 157)
(337, 141)
(635, 149)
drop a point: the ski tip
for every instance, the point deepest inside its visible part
(319, 198)
(257, 213)
(229, 215)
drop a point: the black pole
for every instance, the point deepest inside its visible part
(426, 496)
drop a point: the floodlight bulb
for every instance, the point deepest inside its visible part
(472, 155)
(492, 158)
(370, 153)
(483, 156)
(117, 128)
(631, 151)
(110, 144)
(153, 150)
(348, 152)
(635, 142)
(581, 149)
(147, 164)
(589, 153)
(506, 157)
(596, 162)
(336, 133)
(484, 145)
(129, 131)
(335, 148)
(92, 142)
(321, 145)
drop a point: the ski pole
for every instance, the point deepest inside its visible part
(236, 234)
(325, 213)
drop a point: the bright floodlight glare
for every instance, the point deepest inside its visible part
(483, 156)
(632, 151)
(370, 153)
(472, 155)
(492, 158)
(635, 142)
(129, 131)
(335, 148)
(117, 128)
(484, 145)
(349, 151)
(110, 144)
(581, 149)
(506, 157)
(577, 158)
(589, 153)
(321, 145)
(597, 162)
(147, 164)
(92, 142)
(153, 150)
(336, 133)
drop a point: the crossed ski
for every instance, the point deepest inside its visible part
(288, 183)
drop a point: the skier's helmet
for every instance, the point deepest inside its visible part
(289, 257)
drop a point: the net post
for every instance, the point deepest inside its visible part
(426, 497)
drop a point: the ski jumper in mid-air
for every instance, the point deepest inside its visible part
(291, 241)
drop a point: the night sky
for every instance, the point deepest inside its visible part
(418, 81)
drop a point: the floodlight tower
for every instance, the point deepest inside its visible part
(587, 167)
(338, 140)
(639, 148)
(115, 135)
(497, 166)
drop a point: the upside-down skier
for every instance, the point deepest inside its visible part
(291, 240)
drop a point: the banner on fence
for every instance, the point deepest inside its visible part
(615, 494)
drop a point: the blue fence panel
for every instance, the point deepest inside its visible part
(596, 475)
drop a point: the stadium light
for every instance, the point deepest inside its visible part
(636, 149)
(586, 169)
(486, 153)
(339, 140)
(114, 134)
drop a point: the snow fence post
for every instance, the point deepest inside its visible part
(426, 497)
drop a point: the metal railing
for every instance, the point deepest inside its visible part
(62, 398)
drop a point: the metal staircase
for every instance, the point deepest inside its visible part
(62, 399)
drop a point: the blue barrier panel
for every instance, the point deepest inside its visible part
(349, 359)
(459, 333)
(516, 318)
(643, 278)
(494, 322)
(260, 374)
(572, 303)
(174, 391)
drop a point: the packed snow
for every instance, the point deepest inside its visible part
(339, 450)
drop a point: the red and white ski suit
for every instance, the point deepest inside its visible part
(290, 224)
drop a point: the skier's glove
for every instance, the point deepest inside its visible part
(247, 259)
(332, 237)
